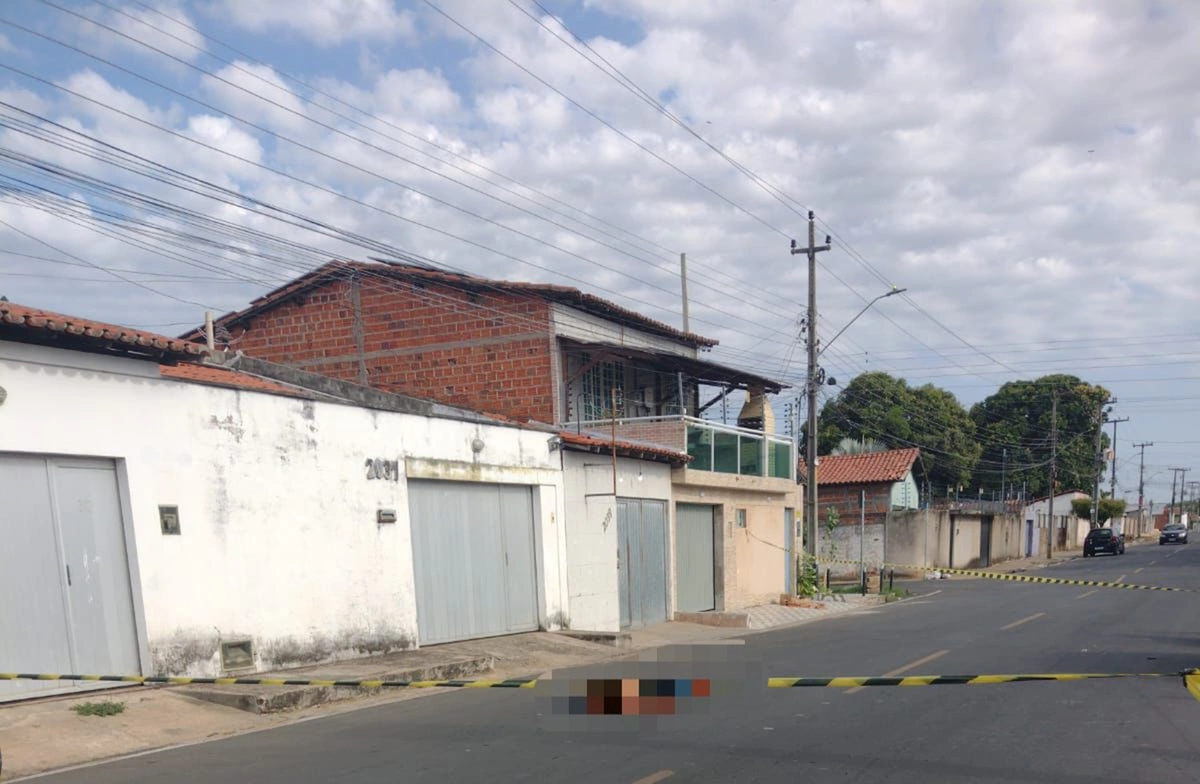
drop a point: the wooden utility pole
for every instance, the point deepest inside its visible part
(812, 384)
(1053, 470)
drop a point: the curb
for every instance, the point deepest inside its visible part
(613, 639)
(274, 699)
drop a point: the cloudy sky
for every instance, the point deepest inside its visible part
(1029, 171)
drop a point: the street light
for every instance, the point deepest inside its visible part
(891, 293)
(815, 378)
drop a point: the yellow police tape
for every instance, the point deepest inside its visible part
(1191, 680)
(1018, 578)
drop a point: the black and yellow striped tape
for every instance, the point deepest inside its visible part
(1018, 578)
(954, 680)
(508, 683)
(1191, 680)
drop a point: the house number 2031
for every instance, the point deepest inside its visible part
(378, 468)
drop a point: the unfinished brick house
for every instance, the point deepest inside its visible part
(561, 356)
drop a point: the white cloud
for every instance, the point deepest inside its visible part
(257, 94)
(165, 26)
(326, 23)
(1027, 170)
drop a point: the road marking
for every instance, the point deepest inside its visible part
(910, 666)
(1085, 595)
(1153, 562)
(1015, 624)
(1119, 579)
(653, 777)
(1140, 568)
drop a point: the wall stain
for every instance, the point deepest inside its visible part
(293, 651)
(186, 655)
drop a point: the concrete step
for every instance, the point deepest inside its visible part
(727, 620)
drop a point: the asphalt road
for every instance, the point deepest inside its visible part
(1095, 732)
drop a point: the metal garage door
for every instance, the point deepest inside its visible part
(473, 558)
(642, 561)
(694, 573)
(65, 556)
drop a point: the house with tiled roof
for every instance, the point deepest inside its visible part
(883, 479)
(564, 357)
(186, 512)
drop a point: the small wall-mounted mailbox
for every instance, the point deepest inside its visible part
(385, 516)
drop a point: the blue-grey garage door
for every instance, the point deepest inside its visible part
(473, 558)
(64, 572)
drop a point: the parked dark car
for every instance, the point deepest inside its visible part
(1175, 533)
(1103, 540)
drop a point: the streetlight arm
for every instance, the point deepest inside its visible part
(891, 293)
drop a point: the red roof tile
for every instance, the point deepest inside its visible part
(624, 448)
(221, 377)
(336, 270)
(870, 468)
(107, 337)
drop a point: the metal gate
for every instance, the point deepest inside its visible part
(473, 559)
(642, 561)
(65, 556)
(694, 572)
(985, 541)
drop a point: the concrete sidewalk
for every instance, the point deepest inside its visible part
(45, 734)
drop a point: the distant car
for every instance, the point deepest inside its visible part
(1103, 540)
(1175, 533)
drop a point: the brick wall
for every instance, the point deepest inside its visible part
(845, 498)
(488, 351)
(670, 433)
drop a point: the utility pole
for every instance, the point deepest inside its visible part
(1098, 466)
(1171, 508)
(683, 285)
(1182, 484)
(1003, 480)
(1142, 473)
(1053, 470)
(1112, 484)
(811, 384)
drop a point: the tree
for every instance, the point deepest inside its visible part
(1108, 509)
(883, 408)
(854, 446)
(1017, 418)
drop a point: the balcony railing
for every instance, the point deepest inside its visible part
(725, 449)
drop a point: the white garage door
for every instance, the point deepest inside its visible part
(473, 558)
(64, 555)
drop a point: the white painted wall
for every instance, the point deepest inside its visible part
(1038, 510)
(591, 530)
(904, 493)
(279, 536)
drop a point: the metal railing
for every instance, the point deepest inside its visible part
(725, 449)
